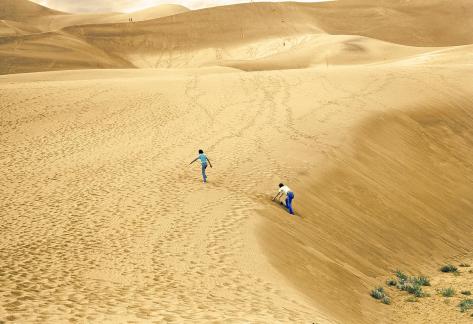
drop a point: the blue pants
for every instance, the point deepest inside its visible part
(204, 176)
(289, 198)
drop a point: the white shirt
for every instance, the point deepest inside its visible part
(285, 189)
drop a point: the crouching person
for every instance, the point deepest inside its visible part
(285, 190)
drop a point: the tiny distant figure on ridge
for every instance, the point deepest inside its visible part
(203, 160)
(283, 189)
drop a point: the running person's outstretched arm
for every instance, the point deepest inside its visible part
(277, 195)
(209, 163)
(194, 160)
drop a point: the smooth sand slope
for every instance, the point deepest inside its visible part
(23, 10)
(104, 221)
(12, 28)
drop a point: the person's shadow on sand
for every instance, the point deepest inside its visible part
(281, 205)
(267, 200)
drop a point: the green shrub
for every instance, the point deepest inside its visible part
(391, 282)
(378, 293)
(386, 300)
(466, 292)
(449, 268)
(401, 276)
(421, 281)
(465, 305)
(413, 285)
(412, 299)
(413, 289)
(416, 291)
(447, 292)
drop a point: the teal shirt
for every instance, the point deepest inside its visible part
(203, 158)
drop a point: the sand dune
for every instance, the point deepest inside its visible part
(457, 55)
(23, 10)
(364, 108)
(321, 49)
(34, 18)
(13, 28)
(57, 22)
(52, 51)
(156, 12)
(399, 186)
(381, 166)
(260, 36)
(415, 23)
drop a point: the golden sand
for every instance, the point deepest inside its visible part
(365, 112)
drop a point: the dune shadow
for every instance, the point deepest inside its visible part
(401, 195)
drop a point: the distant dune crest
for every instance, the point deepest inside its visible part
(19, 10)
(258, 36)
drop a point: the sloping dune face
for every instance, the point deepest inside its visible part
(396, 195)
(204, 37)
(278, 35)
(54, 51)
(21, 10)
(32, 40)
(99, 226)
(57, 22)
(255, 31)
(415, 23)
(13, 28)
(156, 12)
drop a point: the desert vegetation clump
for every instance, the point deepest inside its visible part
(449, 268)
(413, 285)
(391, 282)
(401, 276)
(421, 281)
(447, 292)
(386, 300)
(464, 265)
(379, 294)
(466, 305)
(466, 292)
(413, 289)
